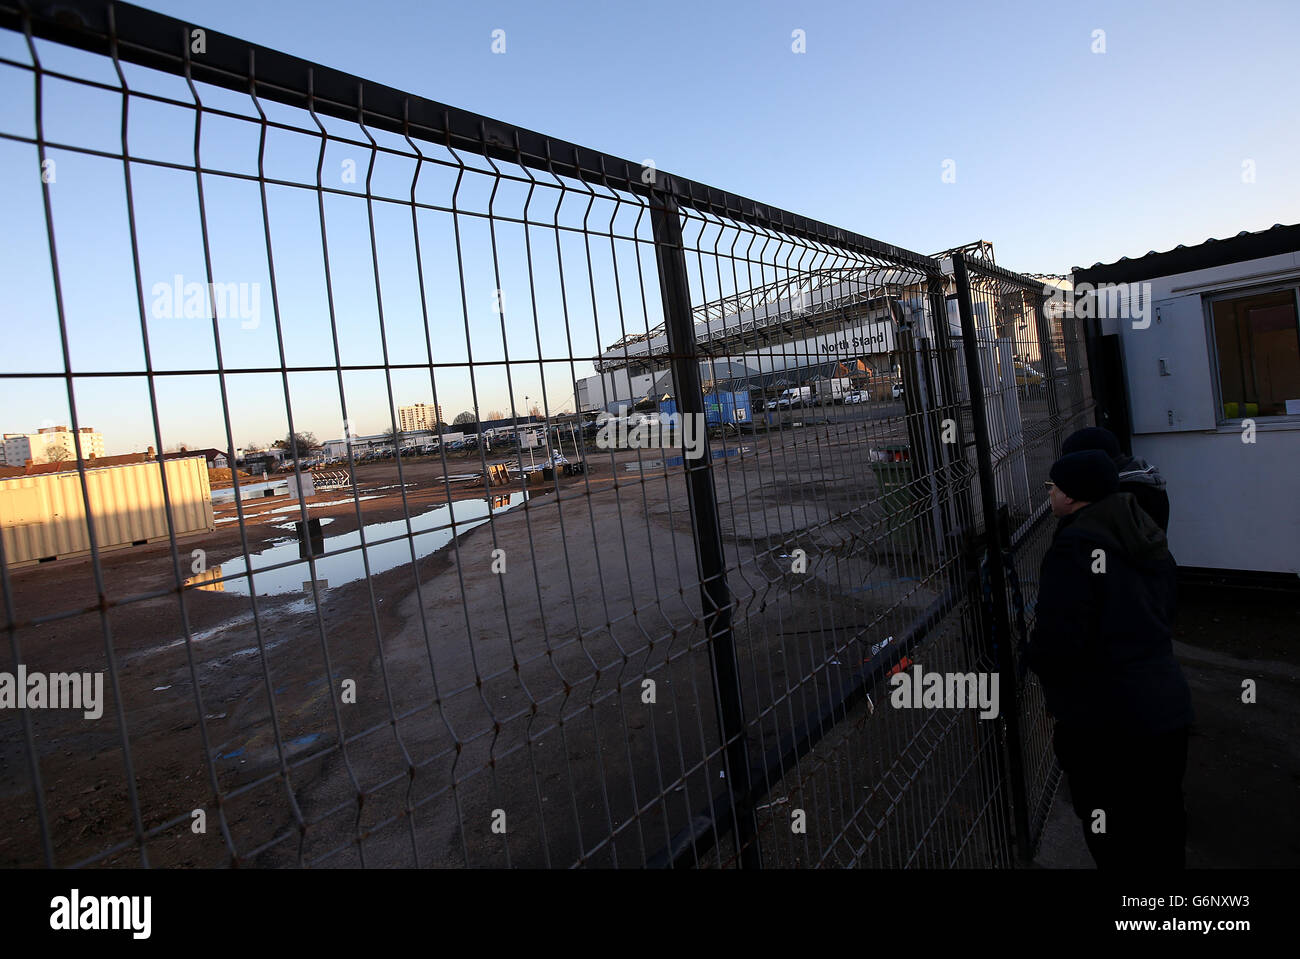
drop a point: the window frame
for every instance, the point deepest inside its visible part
(1208, 300)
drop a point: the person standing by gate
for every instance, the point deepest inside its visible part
(1136, 476)
(1102, 646)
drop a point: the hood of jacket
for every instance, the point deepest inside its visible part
(1135, 470)
(1119, 520)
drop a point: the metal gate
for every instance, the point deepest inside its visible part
(671, 645)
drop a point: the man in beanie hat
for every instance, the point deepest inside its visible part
(1136, 476)
(1102, 647)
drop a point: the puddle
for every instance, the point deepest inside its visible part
(226, 497)
(304, 605)
(293, 527)
(248, 491)
(431, 531)
(311, 506)
(250, 518)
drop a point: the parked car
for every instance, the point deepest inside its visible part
(856, 396)
(897, 391)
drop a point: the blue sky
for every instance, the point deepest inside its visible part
(1062, 156)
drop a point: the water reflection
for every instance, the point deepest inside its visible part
(205, 580)
(431, 531)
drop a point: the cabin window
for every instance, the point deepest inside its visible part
(1257, 347)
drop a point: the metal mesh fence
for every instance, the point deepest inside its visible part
(1036, 392)
(554, 641)
(836, 514)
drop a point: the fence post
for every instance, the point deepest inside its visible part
(955, 475)
(922, 440)
(1009, 711)
(679, 325)
(1044, 327)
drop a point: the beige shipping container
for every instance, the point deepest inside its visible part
(43, 516)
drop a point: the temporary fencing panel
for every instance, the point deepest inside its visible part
(672, 657)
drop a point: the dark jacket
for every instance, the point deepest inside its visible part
(1102, 642)
(1144, 481)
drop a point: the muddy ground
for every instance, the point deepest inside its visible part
(477, 693)
(536, 691)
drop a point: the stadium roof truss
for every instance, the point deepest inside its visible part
(791, 304)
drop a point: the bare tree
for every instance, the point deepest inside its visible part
(57, 454)
(464, 419)
(297, 444)
(496, 415)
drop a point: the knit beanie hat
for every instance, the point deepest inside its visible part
(1092, 438)
(1088, 475)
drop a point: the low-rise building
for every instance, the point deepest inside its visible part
(216, 459)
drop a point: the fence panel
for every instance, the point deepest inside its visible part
(841, 518)
(552, 641)
(1036, 392)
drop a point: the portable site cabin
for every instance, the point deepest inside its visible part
(725, 387)
(1198, 372)
(43, 517)
(721, 407)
